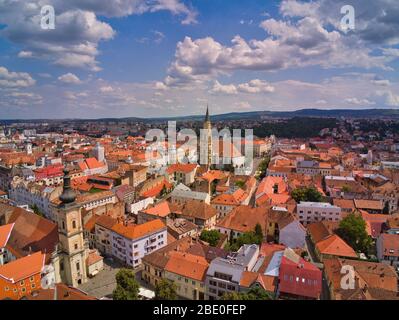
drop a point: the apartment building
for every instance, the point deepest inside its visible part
(224, 274)
(313, 168)
(34, 194)
(309, 212)
(388, 249)
(181, 194)
(130, 242)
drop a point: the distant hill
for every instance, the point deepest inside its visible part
(334, 113)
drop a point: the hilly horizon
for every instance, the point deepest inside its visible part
(310, 112)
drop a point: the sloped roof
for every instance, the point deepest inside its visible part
(300, 278)
(136, 231)
(187, 265)
(335, 246)
(31, 233)
(181, 167)
(198, 209)
(22, 268)
(5, 233)
(249, 278)
(244, 219)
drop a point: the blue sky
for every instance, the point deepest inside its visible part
(170, 57)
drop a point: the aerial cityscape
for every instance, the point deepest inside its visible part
(199, 150)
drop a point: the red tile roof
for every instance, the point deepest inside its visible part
(187, 265)
(181, 167)
(136, 231)
(335, 246)
(90, 163)
(301, 279)
(390, 244)
(162, 209)
(22, 268)
(5, 233)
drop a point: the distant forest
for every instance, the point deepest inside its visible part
(297, 127)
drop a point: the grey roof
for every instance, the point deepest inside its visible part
(180, 191)
(235, 264)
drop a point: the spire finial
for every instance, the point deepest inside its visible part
(207, 113)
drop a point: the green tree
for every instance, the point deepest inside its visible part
(323, 184)
(165, 290)
(255, 293)
(37, 211)
(258, 231)
(386, 208)
(127, 287)
(346, 189)
(262, 168)
(251, 237)
(240, 184)
(164, 191)
(213, 186)
(210, 236)
(306, 194)
(352, 229)
(234, 296)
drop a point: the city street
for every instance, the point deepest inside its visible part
(103, 284)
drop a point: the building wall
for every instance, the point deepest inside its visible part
(131, 251)
(95, 267)
(151, 274)
(186, 287)
(309, 214)
(20, 289)
(222, 209)
(103, 238)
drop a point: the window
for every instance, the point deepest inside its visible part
(33, 286)
(74, 224)
(22, 283)
(63, 225)
(76, 246)
(6, 288)
(77, 266)
(31, 279)
(222, 285)
(23, 289)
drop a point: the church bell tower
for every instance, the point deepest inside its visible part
(72, 248)
(208, 139)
